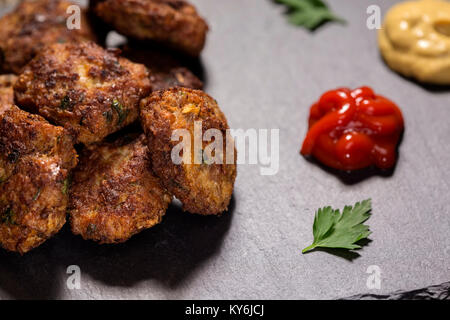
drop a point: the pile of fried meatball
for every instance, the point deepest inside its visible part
(86, 132)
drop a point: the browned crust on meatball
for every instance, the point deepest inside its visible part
(176, 77)
(90, 91)
(114, 194)
(6, 91)
(202, 188)
(35, 161)
(166, 70)
(175, 23)
(32, 26)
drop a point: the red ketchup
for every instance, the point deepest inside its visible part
(351, 130)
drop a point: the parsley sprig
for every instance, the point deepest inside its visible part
(309, 13)
(332, 229)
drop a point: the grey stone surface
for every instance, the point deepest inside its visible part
(439, 292)
(265, 74)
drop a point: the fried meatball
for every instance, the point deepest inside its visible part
(34, 25)
(205, 186)
(114, 193)
(6, 91)
(90, 91)
(166, 71)
(175, 23)
(35, 162)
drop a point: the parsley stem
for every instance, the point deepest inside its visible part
(311, 247)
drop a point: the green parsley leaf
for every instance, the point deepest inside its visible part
(121, 111)
(66, 184)
(65, 103)
(7, 217)
(108, 115)
(37, 194)
(309, 13)
(333, 230)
